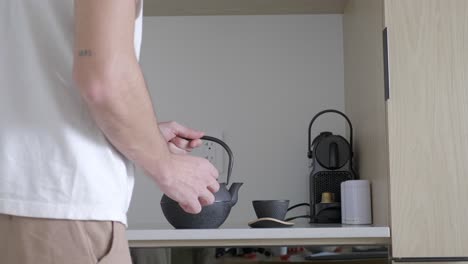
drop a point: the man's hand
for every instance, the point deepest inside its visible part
(191, 186)
(180, 138)
(191, 181)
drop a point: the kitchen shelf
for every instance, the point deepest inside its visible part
(306, 234)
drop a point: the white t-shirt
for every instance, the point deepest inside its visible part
(54, 160)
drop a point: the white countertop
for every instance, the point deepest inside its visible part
(306, 234)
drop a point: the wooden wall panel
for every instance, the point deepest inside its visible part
(365, 102)
(241, 7)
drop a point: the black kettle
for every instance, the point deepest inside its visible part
(211, 216)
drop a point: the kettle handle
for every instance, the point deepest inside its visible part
(229, 152)
(309, 147)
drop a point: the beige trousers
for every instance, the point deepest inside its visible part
(26, 240)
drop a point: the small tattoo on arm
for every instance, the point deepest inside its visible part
(85, 53)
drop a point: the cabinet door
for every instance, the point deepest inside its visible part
(428, 127)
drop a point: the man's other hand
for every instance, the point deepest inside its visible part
(181, 139)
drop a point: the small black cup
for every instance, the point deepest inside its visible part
(271, 208)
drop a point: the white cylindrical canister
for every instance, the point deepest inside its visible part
(356, 202)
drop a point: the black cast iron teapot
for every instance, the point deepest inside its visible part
(211, 216)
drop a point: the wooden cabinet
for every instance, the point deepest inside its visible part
(418, 138)
(428, 126)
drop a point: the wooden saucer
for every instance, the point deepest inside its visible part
(268, 222)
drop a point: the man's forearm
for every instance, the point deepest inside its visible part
(107, 73)
(122, 108)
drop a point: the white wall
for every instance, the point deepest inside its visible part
(260, 80)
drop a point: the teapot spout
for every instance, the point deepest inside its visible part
(234, 190)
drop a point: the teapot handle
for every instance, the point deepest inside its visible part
(229, 152)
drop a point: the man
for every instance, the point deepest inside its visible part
(74, 111)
